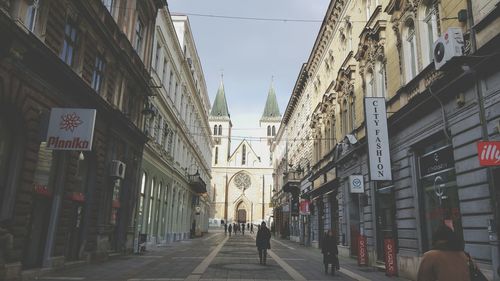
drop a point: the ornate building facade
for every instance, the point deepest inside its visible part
(242, 179)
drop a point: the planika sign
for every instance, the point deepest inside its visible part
(71, 129)
(378, 139)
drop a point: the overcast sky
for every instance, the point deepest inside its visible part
(250, 52)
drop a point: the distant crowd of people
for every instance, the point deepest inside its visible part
(237, 227)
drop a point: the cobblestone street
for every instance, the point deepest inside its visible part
(216, 257)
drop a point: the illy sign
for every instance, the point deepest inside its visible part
(378, 139)
(489, 153)
(71, 129)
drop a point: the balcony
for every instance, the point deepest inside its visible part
(197, 183)
(291, 181)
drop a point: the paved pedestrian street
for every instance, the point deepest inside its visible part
(216, 256)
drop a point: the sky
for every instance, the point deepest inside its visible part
(250, 52)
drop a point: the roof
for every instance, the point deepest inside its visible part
(219, 108)
(271, 110)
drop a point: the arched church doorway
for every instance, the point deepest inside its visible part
(242, 216)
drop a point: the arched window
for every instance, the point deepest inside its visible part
(150, 207)
(410, 50)
(215, 130)
(220, 130)
(333, 139)
(429, 29)
(352, 111)
(349, 37)
(244, 155)
(216, 155)
(268, 130)
(142, 199)
(274, 131)
(327, 136)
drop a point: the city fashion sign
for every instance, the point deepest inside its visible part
(71, 129)
(488, 153)
(356, 184)
(378, 139)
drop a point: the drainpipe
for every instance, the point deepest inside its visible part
(492, 224)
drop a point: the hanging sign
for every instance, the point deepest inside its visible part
(362, 250)
(390, 257)
(356, 184)
(378, 139)
(71, 129)
(304, 207)
(488, 153)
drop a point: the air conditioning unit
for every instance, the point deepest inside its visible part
(117, 169)
(449, 45)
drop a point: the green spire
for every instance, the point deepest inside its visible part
(219, 108)
(271, 111)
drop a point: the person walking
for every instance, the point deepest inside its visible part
(263, 242)
(251, 228)
(243, 229)
(225, 229)
(330, 252)
(446, 261)
(234, 228)
(230, 228)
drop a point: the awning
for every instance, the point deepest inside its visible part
(325, 188)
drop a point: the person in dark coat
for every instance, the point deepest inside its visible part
(243, 228)
(263, 242)
(234, 228)
(225, 229)
(251, 228)
(230, 228)
(330, 252)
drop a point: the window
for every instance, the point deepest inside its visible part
(31, 14)
(175, 92)
(142, 199)
(69, 45)
(98, 75)
(220, 130)
(170, 81)
(164, 75)
(216, 155)
(429, 30)
(268, 130)
(410, 50)
(244, 155)
(215, 130)
(380, 79)
(157, 57)
(139, 29)
(344, 118)
(150, 207)
(352, 111)
(370, 84)
(274, 131)
(368, 7)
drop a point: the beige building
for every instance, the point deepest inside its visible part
(242, 178)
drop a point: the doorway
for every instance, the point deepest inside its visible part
(242, 216)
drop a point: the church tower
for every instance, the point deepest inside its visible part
(270, 120)
(220, 123)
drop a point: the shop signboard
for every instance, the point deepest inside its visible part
(304, 207)
(356, 184)
(362, 250)
(71, 129)
(390, 257)
(488, 153)
(378, 139)
(437, 161)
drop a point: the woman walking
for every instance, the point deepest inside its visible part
(447, 260)
(262, 242)
(330, 252)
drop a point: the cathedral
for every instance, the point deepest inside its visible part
(242, 179)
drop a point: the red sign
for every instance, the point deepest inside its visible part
(488, 153)
(76, 196)
(41, 189)
(391, 267)
(304, 207)
(362, 250)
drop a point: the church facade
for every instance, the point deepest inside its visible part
(242, 179)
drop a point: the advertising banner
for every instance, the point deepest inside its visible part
(390, 257)
(304, 207)
(356, 184)
(71, 129)
(362, 250)
(488, 153)
(378, 139)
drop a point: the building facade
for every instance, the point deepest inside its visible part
(60, 206)
(436, 114)
(175, 171)
(242, 179)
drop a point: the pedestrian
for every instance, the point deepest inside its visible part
(248, 225)
(251, 228)
(243, 228)
(234, 228)
(225, 229)
(263, 242)
(446, 261)
(229, 228)
(330, 252)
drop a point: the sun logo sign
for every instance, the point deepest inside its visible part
(70, 122)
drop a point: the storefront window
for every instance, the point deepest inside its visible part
(385, 216)
(439, 191)
(41, 182)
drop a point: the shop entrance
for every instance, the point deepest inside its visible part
(385, 218)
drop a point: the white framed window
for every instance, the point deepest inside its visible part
(69, 45)
(139, 30)
(370, 84)
(410, 50)
(98, 73)
(31, 14)
(157, 57)
(380, 79)
(429, 29)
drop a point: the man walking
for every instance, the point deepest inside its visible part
(225, 229)
(243, 228)
(263, 242)
(230, 228)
